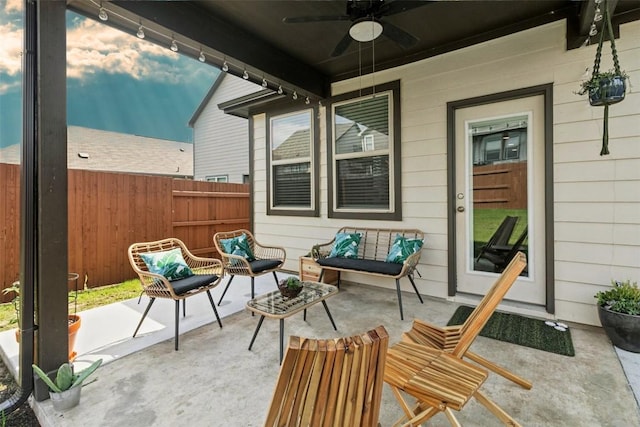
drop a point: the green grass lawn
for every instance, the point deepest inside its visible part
(487, 221)
(87, 299)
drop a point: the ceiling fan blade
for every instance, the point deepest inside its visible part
(392, 7)
(321, 18)
(404, 39)
(342, 46)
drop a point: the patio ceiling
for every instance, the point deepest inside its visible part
(251, 35)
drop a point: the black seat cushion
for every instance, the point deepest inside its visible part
(259, 265)
(182, 286)
(370, 266)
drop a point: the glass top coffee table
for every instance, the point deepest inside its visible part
(276, 306)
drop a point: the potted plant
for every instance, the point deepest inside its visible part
(607, 87)
(290, 287)
(619, 312)
(74, 319)
(65, 391)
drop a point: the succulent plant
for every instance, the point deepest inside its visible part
(66, 378)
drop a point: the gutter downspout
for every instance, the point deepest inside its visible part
(28, 222)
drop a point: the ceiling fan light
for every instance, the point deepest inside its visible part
(365, 30)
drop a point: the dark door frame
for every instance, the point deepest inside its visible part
(546, 90)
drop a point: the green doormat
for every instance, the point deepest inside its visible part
(520, 330)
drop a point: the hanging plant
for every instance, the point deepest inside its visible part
(607, 87)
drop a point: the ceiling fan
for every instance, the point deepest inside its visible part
(366, 17)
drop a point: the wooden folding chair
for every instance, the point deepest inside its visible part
(332, 382)
(435, 373)
(447, 338)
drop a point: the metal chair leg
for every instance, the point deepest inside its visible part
(415, 288)
(225, 288)
(184, 307)
(214, 307)
(253, 292)
(177, 322)
(146, 310)
(399, 298)
(275, 277)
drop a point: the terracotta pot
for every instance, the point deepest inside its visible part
(74, 326)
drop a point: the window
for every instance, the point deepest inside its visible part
(217, 178)
(291, 169)
(364, 155)
(500, 140)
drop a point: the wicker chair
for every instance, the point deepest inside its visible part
(332, 382)
(267, 259)
(207, 273)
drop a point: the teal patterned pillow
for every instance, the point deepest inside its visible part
(402, 248)
(346, 245)
(170, 264)
(238, 246)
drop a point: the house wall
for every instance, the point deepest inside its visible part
(597, 199)
(221, 141)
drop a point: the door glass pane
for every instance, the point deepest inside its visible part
(498, 212)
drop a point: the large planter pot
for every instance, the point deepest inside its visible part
(622, 329)
(609, 91)
(66, 399)
(74, 326)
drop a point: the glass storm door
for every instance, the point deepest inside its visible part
(500, 195)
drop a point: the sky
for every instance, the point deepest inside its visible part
(115, 81)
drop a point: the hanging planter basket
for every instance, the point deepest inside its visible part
(605, 88)
(610, 90)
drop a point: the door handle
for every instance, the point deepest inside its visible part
(460, 208)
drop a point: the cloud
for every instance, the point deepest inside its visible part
(93, 47)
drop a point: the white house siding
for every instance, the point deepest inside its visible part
(221, 141)
(597, 199)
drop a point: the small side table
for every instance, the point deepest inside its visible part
(276, 306)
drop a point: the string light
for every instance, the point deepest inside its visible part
(103, 14)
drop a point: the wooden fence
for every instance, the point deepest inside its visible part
(501, 186)
(110, 211)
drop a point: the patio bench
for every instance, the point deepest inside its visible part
(373, 255)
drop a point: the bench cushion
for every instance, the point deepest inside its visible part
(366, 265)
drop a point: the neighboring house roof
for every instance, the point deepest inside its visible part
(95, 149)
(297, 145)
(216, 84)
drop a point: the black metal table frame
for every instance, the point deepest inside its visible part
(255, 334)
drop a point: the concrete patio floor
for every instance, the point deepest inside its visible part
(213, 380)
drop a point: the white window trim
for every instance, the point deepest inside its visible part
(310, 160)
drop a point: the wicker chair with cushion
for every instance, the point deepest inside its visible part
(168, 270)
(242, 255)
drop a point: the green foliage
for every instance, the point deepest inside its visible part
(623, 297)
(66, 378)
(293, 282)
(594, 82)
